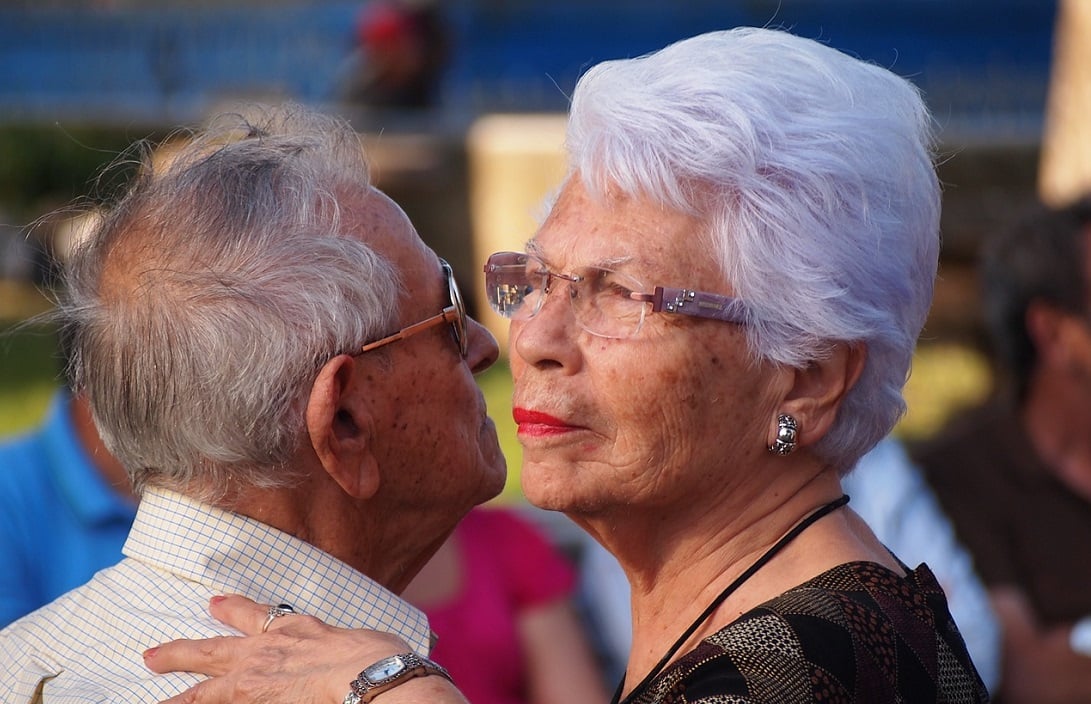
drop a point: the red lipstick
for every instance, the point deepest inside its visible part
(539, 424)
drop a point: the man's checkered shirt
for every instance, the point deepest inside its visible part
(86, 646)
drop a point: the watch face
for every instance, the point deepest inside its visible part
(385, 668)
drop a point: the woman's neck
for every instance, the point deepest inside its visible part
(679, 570)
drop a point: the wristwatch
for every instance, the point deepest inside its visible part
(389, 673)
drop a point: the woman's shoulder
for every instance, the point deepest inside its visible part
(872, 579)
(863, 601)
(858, 632)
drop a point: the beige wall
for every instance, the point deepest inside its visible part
(515, 161)
(1065, 172)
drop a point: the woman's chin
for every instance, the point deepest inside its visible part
(546, 489)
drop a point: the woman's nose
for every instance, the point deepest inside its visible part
(548, 338)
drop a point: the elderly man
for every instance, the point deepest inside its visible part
(286, 372)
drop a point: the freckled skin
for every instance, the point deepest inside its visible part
(436, 446)
(658, 413)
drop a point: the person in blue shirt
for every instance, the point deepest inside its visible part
(65, 508)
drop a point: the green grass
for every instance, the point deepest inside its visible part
(495, 383)
(28, 375)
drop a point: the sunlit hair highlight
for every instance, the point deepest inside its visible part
(210, 294)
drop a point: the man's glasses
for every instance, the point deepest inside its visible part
(455, 314)
(606, 303)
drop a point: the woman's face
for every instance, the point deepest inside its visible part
(671, 417)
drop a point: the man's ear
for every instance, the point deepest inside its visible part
(819, 389)
(1051, 330)
(340, 427)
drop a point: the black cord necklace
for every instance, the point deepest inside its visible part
(728, 591)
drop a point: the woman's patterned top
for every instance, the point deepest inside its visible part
(857, 634)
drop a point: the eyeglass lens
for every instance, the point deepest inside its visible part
(602, 301)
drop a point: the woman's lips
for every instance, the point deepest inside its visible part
(538, 424)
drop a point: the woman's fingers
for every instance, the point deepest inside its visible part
(293, 657)
(241, 613)
(210, 656)
(207, 692)
(216, 656)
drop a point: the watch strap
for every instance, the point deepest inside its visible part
(365, 688)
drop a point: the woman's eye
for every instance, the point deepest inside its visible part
(609, 283)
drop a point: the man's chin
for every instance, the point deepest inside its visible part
(492, 473)
(495, 480)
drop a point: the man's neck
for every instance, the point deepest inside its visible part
(366, 537)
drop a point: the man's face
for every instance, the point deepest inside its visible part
(437, 449)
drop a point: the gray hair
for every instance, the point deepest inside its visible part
(813, 172)
(210, 294)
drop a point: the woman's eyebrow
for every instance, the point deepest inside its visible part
(532, 247)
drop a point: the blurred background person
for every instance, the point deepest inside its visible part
(66, 506)
(1014, 474)
(499, 592)
(402, 48)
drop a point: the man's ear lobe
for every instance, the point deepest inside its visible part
(340, 428)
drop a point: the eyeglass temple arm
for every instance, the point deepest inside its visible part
(448, 315)
(683, 301)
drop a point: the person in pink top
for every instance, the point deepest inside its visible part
(499, 592)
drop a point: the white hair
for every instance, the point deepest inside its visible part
(206, 300)
(813, 172)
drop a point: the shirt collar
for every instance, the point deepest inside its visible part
(234, 554)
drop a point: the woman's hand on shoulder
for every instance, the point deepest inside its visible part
(299, 660)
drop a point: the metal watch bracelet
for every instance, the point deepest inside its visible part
(389, 672)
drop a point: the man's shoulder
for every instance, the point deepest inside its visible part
(33, 461)
(89, 642)
(982, 439)
(22, 455)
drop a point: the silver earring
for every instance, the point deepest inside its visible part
(786, 435)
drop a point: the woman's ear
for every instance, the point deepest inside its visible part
(819, 389)
(340, 427)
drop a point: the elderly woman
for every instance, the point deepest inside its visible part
(714, 322)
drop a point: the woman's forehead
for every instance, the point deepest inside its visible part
(618, 234)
